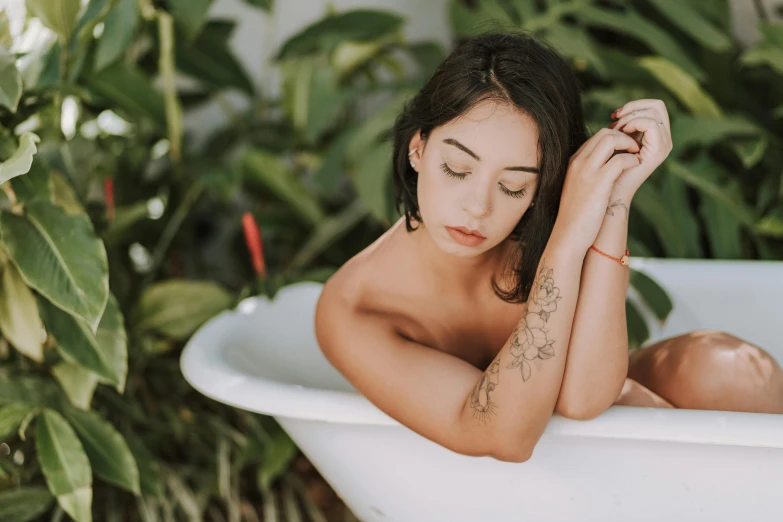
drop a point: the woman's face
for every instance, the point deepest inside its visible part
(479, 172)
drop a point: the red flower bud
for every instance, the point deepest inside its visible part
(108, 194)
(254, 244)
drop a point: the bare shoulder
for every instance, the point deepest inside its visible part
(356, 290)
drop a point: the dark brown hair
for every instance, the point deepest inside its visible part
(520, 71)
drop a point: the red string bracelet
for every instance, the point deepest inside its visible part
(623, 260)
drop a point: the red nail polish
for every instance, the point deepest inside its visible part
(612, 125)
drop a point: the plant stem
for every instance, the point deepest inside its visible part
(191, 196)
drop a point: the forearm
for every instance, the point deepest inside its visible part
(597, 363)
(515, 397)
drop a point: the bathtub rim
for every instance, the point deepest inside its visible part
(214, 377)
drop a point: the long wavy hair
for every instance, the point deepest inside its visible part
(525, 73)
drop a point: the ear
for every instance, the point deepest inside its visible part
(416, 143)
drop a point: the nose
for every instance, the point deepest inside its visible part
(477, 203)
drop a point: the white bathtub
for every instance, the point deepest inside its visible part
(629, 464)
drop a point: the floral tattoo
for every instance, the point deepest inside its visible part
(530, 341)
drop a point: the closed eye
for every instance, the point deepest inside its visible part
(461, 175)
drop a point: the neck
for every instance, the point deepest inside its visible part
(471, 275)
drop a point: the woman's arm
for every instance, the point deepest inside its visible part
(598, 352)
(514, 399)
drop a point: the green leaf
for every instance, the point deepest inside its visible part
(19, 320)
(575, 43)
(650, 204)
(633, 25)
(682, 85)
(79, 383)
(637, 328)
(698, 175)
(278, 452)
(764, 54)
(373, 128)
(58, 15)
(266, 169)
(6, 40)
(688, 19)
(24, 504)
(482, 16)
(190, 15)
(371, 180)
(176, 307)
(209, 59)
(751, 150)
(772, 31)
(771, 224)
(675, 196)
(149, 469)
(65, 465)
(328, 32)
(10, 80)
(266, 5)
(654, 296)
(724, 232)
(328, 232)
(109, 455)
(11, 416)
(60, 257)
(36, 391)
(119, 28)
(707, 131)
(103, 353)
(22, 159)
(129, 89)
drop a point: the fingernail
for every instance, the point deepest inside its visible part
(612, 125)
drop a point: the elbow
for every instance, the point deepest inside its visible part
(514, 453)
(577, 411)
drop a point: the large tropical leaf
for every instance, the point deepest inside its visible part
(19, 320)
(682, 85)
(22, 159)
(78, 382)
(103, 353)
(65, 465)
(175, 307)
(268, 170)
(58, 15)
(688, 19)
(209, 59)
(190, 15)
(119, 28)
(24, 504)
(60, 256)
(109, 455)
(10, 80)
(129, 89)
(324, 35)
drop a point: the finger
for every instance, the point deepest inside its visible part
(649, 112)
(589, 144)
(635, 105)
(654, 135)
(607, 146)
(617, 165)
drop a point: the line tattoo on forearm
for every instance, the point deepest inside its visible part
(617, 203)
(529, 342)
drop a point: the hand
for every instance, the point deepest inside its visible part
(592, 173)
(647, 121)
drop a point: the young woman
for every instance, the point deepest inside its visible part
(499, 297)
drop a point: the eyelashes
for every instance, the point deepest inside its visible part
(461, 175)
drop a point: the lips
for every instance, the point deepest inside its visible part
(469, 232)
(459, 235)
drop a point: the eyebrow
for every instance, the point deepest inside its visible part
(463, 148)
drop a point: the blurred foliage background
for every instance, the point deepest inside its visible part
(120, 236)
